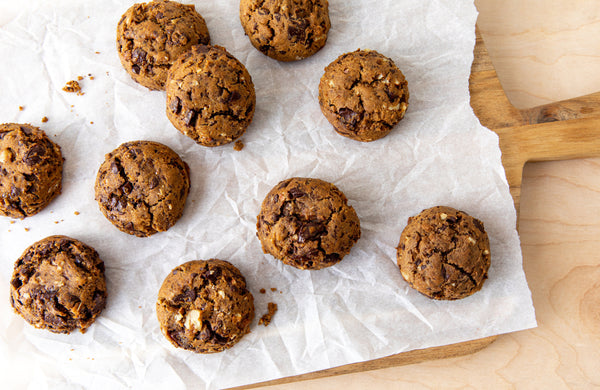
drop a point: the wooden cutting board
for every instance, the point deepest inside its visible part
(558, 131)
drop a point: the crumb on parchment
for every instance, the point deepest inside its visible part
(239, 145)
(73, 86)
(266, 318)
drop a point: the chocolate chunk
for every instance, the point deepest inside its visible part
(294, 193)
(153, 182)
(348, 116)
(190, 118)
(127, 188)
(175, 105)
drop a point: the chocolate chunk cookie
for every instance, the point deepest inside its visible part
(363, 95)
(210, 96)
(286, 30)
(444, 253)
(150, 37)
(30, 170)
(141, 187)
(204, 306)
(58, 284)
(307, 223)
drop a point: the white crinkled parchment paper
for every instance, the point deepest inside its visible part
(358, 310)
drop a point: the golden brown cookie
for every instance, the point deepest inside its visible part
(363, 95)
(444, 253)
(286, 30)
(30, 170)
(58, 284)
(141, 187)
(210, 96)
(204, 306)
(150, 37)
(307, 223)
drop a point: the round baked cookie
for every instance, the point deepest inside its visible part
(30, 170)
(286, 30)
(141, 187)
(307, 223)
(363, 95)
(58, 284)
(210, 96)
(204, 306)
(150, 37)
(444, 253)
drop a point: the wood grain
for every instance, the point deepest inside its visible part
(560, 210)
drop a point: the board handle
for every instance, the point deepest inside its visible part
(559, 140)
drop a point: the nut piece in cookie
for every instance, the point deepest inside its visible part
(286, 30)
(58, 284)
(204, 306)
(30, 170)
(150, 37)
(363, 95)
(210, 96)
(141, 187)
(307, 223)
(444, 253)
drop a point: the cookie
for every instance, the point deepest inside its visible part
(363, 95)
(58, 284)
(30, 170)
(288, 30)
(210, 96)
(141, 187)
(204, 306)
(444, 253)
(150, 37)
(307, 223)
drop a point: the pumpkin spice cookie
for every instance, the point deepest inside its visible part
(286, 30)
(204, 306)
(30, 170)
(307, 223)
(363, 95)
(150, 37)
(141, 187)
(444, 253)
(58, 284)
(210, 96)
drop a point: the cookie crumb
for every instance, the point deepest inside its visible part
(262, 291)
(79, 78)
(76, 213)
(273, 289)
(91, 123)
(21, 108)
(12, 222)
(97, 52)
(56, 222)
(26, 229)
(266, 318)
(239, 145)
(45, 119)
(72, 86)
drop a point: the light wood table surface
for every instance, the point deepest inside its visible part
(543, 51)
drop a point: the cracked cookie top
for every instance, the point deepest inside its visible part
(444, 253)
(204, 306)
(150, 37)
(286, 30)
(210, 96)
(363, 95)
(58, 284)
(307, 223)
(30, 170)
(141, 187)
